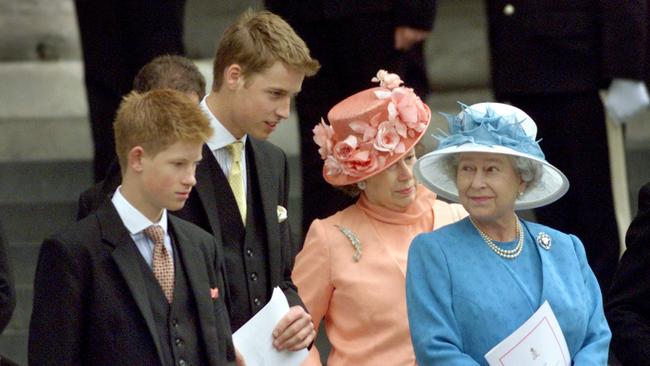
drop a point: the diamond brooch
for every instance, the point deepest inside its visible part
(544, 240)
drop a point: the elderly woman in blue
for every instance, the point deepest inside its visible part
(471, 284)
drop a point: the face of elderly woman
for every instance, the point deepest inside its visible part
(394, 188)
(488, 185)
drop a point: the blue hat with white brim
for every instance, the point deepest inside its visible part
(493, 128)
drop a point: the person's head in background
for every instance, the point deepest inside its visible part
(259, 66)
(171, 72)
(158, 137)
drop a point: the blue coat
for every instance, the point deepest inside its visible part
(463, 299)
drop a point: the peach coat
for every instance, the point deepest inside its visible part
(363, 303)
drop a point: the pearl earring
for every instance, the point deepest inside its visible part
(361, 185)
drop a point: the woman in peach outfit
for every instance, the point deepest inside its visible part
(351, 270)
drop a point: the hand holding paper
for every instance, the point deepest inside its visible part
(254, 340)
(239, 359)
(294, 331)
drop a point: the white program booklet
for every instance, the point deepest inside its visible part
(538, 342)
(254, 340)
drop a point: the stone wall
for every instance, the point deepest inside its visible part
(38, 30)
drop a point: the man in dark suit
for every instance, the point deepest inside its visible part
(551, 58)
(628, 304)
(168, 71)
(130, 284)
(242, 184)
(117, 38)
(352, 40)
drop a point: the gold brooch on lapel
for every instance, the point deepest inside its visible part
(282, 214)
(352, 237)
(544, 240)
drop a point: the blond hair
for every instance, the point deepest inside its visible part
(255, 41)
(155, 120)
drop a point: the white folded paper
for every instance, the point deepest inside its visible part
(538, 342)
(254, 340)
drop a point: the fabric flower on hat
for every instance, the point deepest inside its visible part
(363, 162)
(388, 139)
(387, 80)
(366, 130)
(332, 166)
(488, 128)
(323, 138)
(343, 150)
(409, 108)
(369, 130)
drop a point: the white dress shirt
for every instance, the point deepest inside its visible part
(135, 222)
(219, 142)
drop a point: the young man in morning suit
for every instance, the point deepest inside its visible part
(259, 67)
(168, 71)
(130, 284)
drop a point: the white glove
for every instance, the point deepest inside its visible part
(625, 98)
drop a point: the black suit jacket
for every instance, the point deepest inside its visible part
(628, 304)
(101, 192)
(273, 176)
(90, 302)
(549, 46)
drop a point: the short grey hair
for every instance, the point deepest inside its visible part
(351, 190)
(529, 170)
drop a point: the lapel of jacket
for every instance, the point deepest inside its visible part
(196, 270)
(549, 272)
(205, 188)
(268, 189)
(125, 255)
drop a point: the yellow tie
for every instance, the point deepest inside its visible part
(235, 178)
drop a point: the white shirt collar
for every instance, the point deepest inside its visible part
(134, 220)
(221, 137)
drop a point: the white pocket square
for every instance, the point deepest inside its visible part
(282, 214)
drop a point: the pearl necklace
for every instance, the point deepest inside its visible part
(505, 253)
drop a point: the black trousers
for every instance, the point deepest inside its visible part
(574, 139)
(118, 37)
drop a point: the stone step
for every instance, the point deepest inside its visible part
(54, 125)
(63, 181)
(44, 181)
(47, 29)
(456, 49)
(13, 345)
(38, 29)
(31, 222)
(22, 313)
(22, 259)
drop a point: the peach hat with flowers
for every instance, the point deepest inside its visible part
(370, 130)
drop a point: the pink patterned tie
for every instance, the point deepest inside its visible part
(163, 264)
